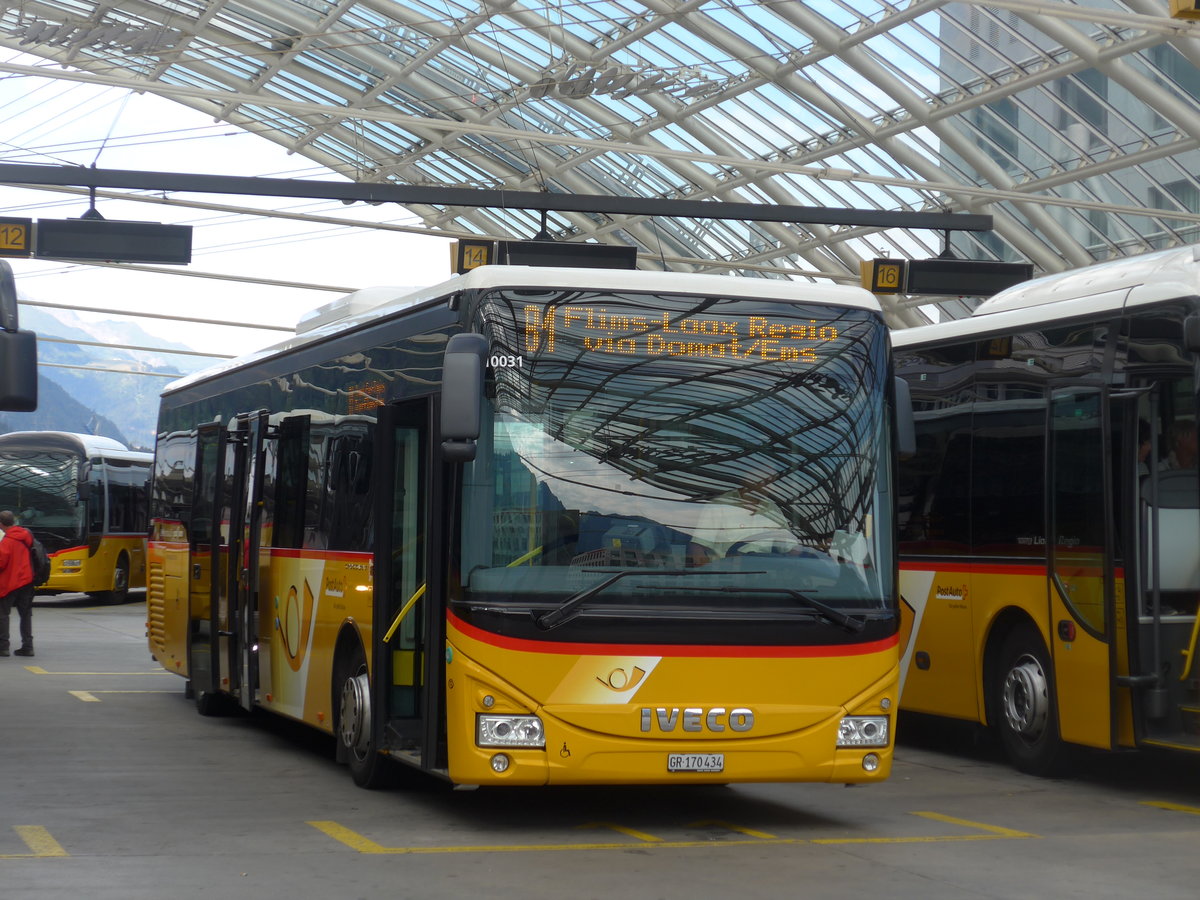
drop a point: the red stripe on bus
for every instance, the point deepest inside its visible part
(282, 552)
(66, 550)
(975, 568)
(290, 553)
(677, 650)
(1092, 571)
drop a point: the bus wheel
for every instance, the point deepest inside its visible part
(1026, 714)
(367, 767)
(209, 703)
(120, 584)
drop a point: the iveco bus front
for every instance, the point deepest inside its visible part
(674, 556)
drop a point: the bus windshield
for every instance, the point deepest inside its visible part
(41, 488)
(716, 459)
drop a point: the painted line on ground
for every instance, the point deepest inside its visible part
(1173, 807)
(39, 841)
(991, 833)
(90, 696)
(982, 832)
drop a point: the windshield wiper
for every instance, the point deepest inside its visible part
(567, 609)
(836, 616)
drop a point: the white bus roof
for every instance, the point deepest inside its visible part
(377, 302)
(88, 444)
(370, 304)
(1103, 287)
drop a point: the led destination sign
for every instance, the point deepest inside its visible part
(598, 330)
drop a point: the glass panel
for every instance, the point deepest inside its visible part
(408, 530)
(1078, 508)
(207, 475)
(720, 452)
(285, 499)
(40, 488)
(1170, 497)
(934, 506)
(97, 497)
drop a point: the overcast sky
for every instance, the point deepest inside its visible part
(58, 122)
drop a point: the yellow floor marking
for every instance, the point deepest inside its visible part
(39, 842)
(1173, 807)
(38, 670)
(993, 832)
(762, 835)
(356, 841)
(621, 829)
(90, 696)
(351, 839)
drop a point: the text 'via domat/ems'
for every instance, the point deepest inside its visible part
(595, 329)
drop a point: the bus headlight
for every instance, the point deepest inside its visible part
(509, 731)
(863, 731)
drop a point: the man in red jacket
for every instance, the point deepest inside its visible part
(16, 582)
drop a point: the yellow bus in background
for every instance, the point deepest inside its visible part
(1049, 520)
(85, 498)
(546, 526)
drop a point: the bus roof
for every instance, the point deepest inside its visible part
(1102, 287)
(372, 304)
(88, 445)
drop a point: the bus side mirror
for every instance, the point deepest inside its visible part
(18, 352)
(18, 371)
(462, 395)
(1191, 333)
(906, 426)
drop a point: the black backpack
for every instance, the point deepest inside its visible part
(40, 563)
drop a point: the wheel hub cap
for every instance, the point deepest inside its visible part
(356, 714)
(1026, 698)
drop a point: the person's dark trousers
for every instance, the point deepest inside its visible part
(22, 599)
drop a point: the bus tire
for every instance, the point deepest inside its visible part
(1024, 704)
(209, 703)
(120, 584)
(352, 700)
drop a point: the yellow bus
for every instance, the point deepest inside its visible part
(1049, 520)
(85, 498)
(546, 526)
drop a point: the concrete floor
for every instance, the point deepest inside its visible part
(115, 788)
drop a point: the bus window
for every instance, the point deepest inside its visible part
(289, 472)
(96, 495)
(934, 481)
(349, 521)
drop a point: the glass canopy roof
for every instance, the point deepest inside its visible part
(1073, 124)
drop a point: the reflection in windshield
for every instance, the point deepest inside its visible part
(40, 488)
(762, 474)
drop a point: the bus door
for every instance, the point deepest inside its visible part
(1081, 577)
(1167, 590)
(407, 632)
(242, 510)
(207, 541)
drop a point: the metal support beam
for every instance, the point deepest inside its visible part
(405, 195)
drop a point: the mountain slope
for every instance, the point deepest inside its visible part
(123, 404)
